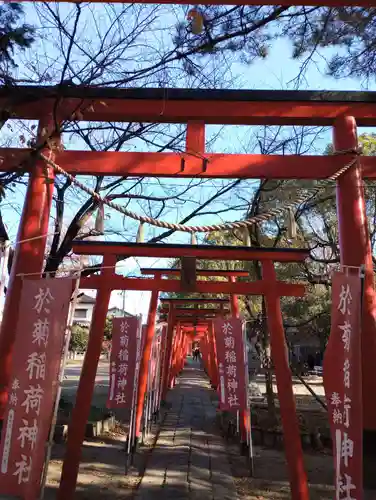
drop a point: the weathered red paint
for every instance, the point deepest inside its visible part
(242, 166)
(354, 237)
(213, 287)
(86, 385)
(200, 272)
(225, 112)
(28, 258)
(235, 312)
(291, 433)
(174, 355)
(143, 377)
(167, 301)
(169, 340)
(170, 251)
(355, 250)
(195, 138)
(192, 310)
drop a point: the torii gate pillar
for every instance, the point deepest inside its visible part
(355, 250)
(144, 367)
(29, 255)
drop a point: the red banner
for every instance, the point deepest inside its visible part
(343, 386)
(231, 367)
(124, 361)
(36, 362)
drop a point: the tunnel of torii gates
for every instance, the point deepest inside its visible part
(195, 108)
(182, 322)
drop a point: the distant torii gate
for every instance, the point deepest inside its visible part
(179, 318)
(192, 317)
(107, 281)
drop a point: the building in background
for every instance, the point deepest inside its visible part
(83, 312)
(117, 312)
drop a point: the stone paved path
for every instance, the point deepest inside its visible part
(189, 460)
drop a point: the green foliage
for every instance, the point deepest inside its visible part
(108, 329)
(368, 144)
(308, 316)
(349, 28)
(13, 33)
(79, 338)
(249, 31)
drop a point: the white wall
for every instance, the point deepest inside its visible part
(89, 313)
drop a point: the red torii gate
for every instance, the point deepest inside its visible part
(212, 366)
(108, 281)
(188, 324)
(52, 105)
(191, 318)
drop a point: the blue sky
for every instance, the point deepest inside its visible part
(277, 71)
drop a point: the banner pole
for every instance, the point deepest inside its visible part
(248, 405)
(132, 416)
(60, 382)
(162, 363)
(4, 268)
(160, 373)
(148, 393)
(157, 375)
(362, 275)
(155, 379)
(136, 385)
(152, 380)
(151, 401)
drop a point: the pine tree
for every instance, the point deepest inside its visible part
(14, 34)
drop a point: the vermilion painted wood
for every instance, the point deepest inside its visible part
(244, 166)
(145, 358)
(291, 433)
(162, 285)
(169, 339)
(28, 258)
(235, 312)
(194, 317)
(180, 310)
(231, 107)
(166, 301)
(210, 252)
(86, 385)
(355, 250)
(200, 272)
(190, 327)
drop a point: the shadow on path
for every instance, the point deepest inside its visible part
(189, 460)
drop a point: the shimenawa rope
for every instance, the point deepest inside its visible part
(302, 196)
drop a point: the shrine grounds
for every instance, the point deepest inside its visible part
(103, 459)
